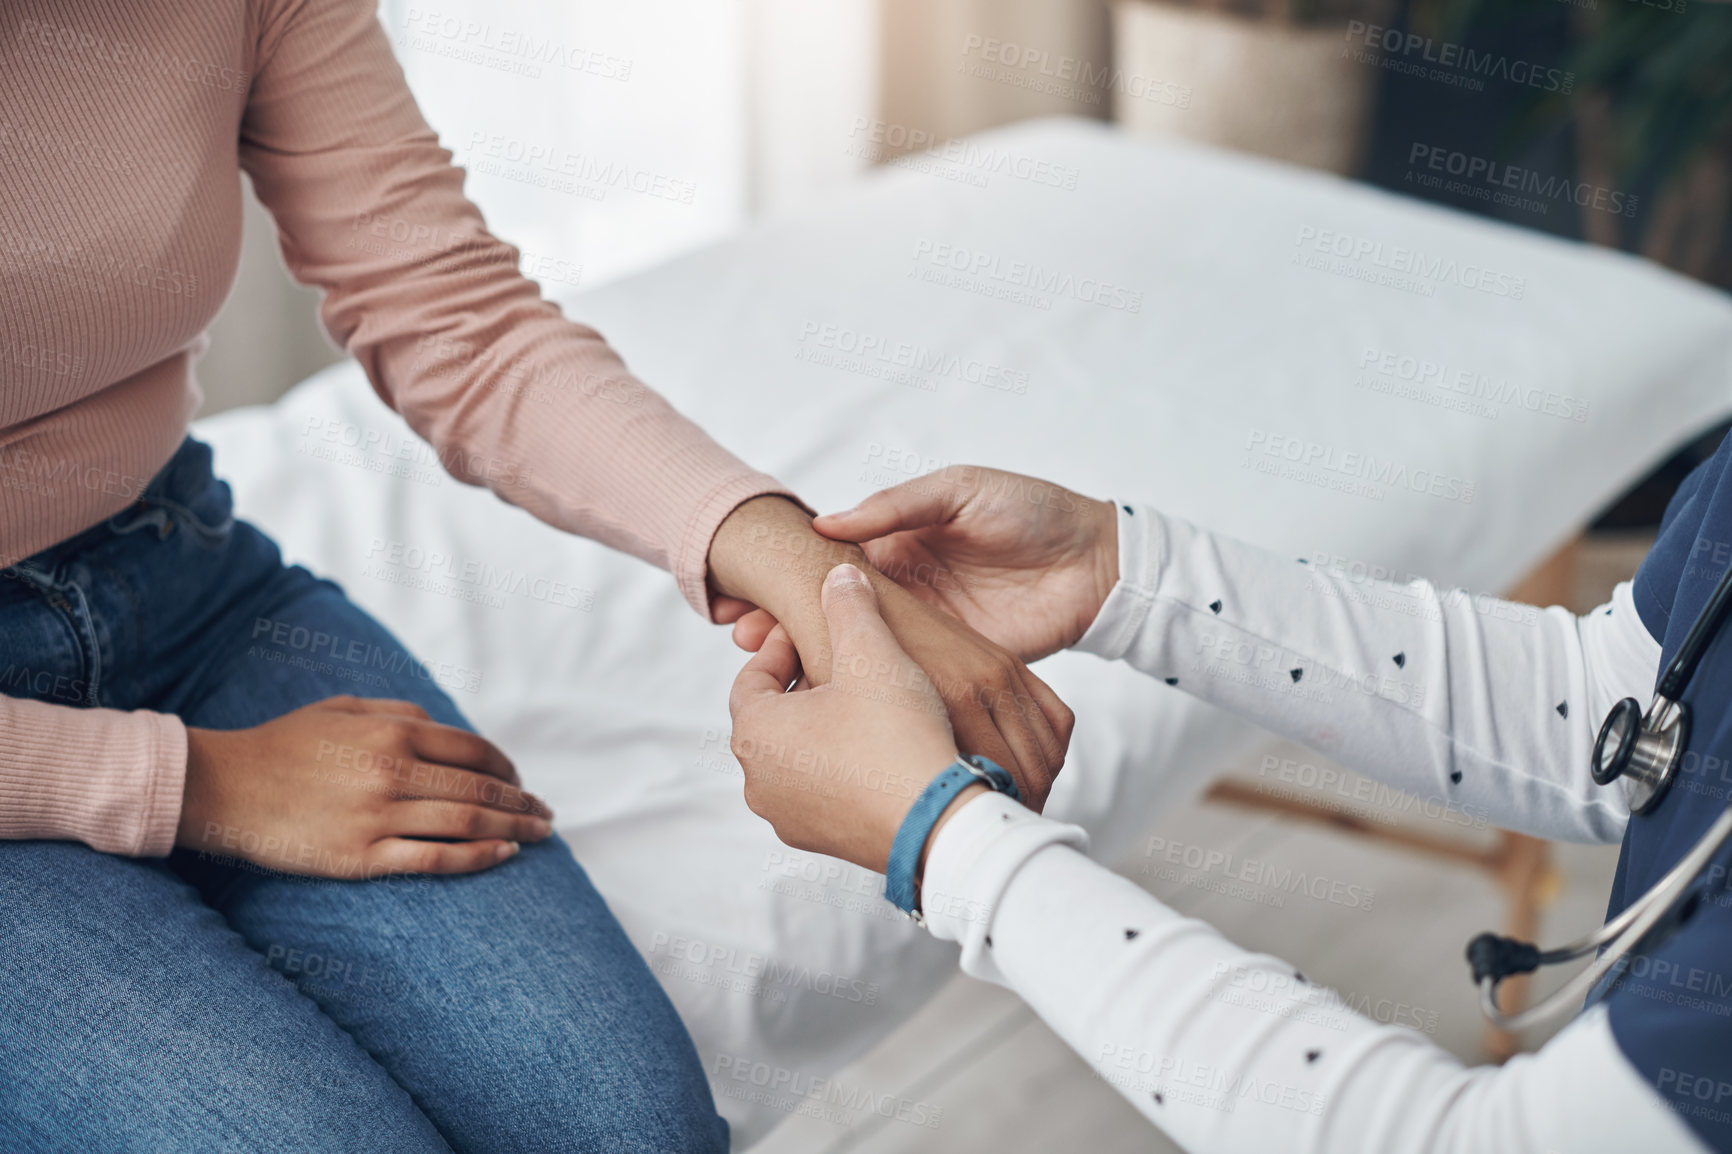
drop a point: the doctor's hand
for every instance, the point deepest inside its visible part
(1024, 562)
(766, 554)
(836, 768)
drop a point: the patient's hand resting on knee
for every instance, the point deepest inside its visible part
(355, 788)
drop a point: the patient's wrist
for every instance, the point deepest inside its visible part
(766, 552)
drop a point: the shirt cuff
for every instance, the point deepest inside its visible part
(972, 861)
(1142, 549)
(160, 821)
(113, 780)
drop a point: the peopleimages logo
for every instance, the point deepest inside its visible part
(1069, 77)
(861, 350)
(759, 968)
(508, 49)
(1359, 472)
(1409, 52)
(1478, 170)
(1368, 259)
(802, 1090)
(1277, 878)
(1470, 384)
(1181, 1079)
(882, 141)
(1018, 281)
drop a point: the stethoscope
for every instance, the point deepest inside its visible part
(1643, 751)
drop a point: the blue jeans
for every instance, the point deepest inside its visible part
(193, 1004)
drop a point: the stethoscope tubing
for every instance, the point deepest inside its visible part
(1622, 934)
(1647, 767)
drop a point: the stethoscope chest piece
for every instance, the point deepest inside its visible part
(1642, 751)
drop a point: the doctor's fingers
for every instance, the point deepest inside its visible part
(929, 500)
(862, 646)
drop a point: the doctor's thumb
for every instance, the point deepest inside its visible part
(860, 642)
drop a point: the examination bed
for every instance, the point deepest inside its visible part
(1295, 359)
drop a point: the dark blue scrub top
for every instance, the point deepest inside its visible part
(1671, 1004)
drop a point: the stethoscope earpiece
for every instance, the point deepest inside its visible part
(1495, 958)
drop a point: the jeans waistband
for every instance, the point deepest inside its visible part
(187, 480)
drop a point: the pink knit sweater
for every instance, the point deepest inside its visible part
(124, 127)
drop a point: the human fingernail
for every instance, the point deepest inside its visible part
(542, 827)
(846, 574)
(843, 576)
(507, 850)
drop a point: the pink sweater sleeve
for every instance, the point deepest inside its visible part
(509, 392)
(110, 779)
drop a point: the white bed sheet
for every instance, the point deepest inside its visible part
(610, 694)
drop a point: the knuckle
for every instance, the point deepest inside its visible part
(754, 798)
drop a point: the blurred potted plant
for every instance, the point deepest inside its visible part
(1651, 111)
(1281, 78)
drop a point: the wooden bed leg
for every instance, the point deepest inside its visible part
(1525, 874)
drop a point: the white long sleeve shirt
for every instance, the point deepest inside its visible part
(1482, 703)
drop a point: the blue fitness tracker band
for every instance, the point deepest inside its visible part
(917, 826)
